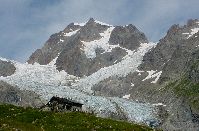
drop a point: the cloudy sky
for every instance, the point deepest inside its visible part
(26, 24)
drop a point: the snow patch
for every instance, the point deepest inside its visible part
(132, 84)
(90, 47)
(61, 40)
(139, 71)
(101, 23)
(193, 31)
(80, 24)
(185, 33)
(126, 96)
(53, 62)
(152, 74)
(71, 33)
(159, 104)
(4, 59)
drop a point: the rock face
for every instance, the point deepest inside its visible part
(173, 51)
(6, 68)
(74, 60)
(12, 95)
(174, 57)
(128, 37)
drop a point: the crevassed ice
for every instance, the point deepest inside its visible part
(46, 81)
(136, 111)
(29, 74)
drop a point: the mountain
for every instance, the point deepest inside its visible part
(83, 50)
(116, 72)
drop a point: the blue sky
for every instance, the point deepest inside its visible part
(25, 25)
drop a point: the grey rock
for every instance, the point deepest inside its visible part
(127, 37)
(52, 47)
(90, 31)
(193, 67)
(6, 68)
(12, 95)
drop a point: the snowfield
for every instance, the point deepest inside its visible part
(152, 74)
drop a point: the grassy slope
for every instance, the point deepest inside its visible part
(12, 117)
(189, 90)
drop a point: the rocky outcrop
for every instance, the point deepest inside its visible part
(6, 68)
(176, 37)
(128, 37)
(12, 95)
(52, 47)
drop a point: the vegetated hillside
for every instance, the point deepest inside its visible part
(29, 119)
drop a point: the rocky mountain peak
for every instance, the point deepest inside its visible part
(91, 46)
(91, 21)
(71, 27)
(192, 22)
(6, 68)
